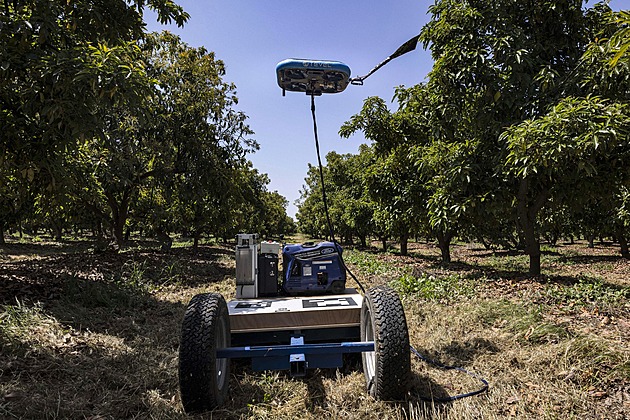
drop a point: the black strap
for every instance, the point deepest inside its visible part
(403, 49)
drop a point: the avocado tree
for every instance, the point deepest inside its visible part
(344, 183)
(183, 145)
(393, 188)
(577, 152)
(61, 62)
(61, 65)
(311, 217)
(499, 63)
(206, 139)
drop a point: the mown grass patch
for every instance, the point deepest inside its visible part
(17, 321)
(591, 362)
(106, 346)
(524, 323)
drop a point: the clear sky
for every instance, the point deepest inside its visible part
(252, 36)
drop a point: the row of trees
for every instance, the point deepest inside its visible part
(521, 130)
(109, 128)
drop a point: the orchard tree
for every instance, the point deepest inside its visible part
(207, 140)
(349, 207)
(60, 63)
(578, 151)
(185, 143)
(499, 63)
(393, 187)
(311, 216)
(444, 168)
(275, 221)
(355, 196)
(15, 201)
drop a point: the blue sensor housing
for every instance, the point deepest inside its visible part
(312, 77)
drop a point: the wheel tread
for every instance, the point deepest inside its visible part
(197, 361)
(391, 339)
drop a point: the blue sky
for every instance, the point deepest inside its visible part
(252, 36)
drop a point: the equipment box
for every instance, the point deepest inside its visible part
(268, 275)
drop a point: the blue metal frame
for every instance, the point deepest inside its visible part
(297, 356)
(312, 336)
(286, 350)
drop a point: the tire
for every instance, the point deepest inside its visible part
(204, 379)
(388, 368)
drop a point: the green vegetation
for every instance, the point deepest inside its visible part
(112, 130)
(431, 287)
(589, 291)
(368, 265)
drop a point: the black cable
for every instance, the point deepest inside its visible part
(321, 171)
(321, 177)
(484, 388)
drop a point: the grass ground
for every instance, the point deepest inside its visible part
(95, 336)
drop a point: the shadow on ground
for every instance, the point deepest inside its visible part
(88, 338)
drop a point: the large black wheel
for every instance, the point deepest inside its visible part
(388, 368)
(204, 379)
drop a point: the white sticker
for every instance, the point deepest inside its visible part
(307, 271)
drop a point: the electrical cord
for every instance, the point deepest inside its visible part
(484, 388)
(321, 177)
(343, 265)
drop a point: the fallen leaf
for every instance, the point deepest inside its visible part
(598, 394)
(13, 395)
(513, 399)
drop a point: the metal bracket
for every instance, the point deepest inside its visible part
(297, 361)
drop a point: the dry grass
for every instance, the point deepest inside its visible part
(96, 336)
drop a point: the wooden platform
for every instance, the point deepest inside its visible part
(298, 312)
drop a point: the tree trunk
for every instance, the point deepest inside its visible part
(527, 213)
(384, 241)
(363, 240)
(2, 242)
(165, 240)
(196, 240)
(120, 212)
(485, 244)
(57, 230)
(404, 241)
(623, 242)
(118, 228)
(444, 243)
